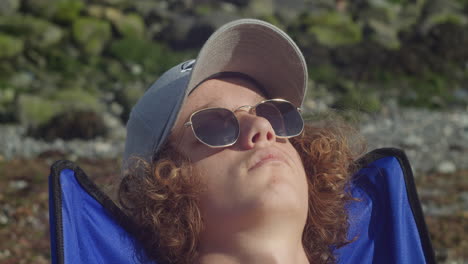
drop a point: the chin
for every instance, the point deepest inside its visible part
(282, 195)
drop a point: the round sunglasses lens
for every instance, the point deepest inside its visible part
(284, 117)
(216, 127)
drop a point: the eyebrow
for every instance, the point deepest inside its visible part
(213, 104)
(208, 105)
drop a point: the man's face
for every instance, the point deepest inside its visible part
(260, 175)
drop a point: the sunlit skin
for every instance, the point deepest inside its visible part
(255, 203)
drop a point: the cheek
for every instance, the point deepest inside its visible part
(217, 181)
(215, 171)
(296, 158)
(300, 171)
(224, 180)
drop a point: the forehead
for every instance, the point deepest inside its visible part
(224, 92)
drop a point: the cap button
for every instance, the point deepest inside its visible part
(187, 66)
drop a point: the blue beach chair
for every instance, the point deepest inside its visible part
(387, 224)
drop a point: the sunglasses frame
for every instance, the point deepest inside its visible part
(250, 110)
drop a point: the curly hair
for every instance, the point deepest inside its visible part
(162, 197)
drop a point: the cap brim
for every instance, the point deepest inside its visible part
(259, 50)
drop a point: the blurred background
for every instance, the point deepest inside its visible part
(70, 71)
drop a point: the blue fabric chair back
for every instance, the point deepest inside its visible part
(387, 225)
(85, 225)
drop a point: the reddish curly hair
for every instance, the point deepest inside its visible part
(162, 197)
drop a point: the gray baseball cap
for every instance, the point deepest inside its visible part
(247, 46)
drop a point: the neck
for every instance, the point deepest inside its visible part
(266, 244)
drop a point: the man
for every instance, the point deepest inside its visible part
(219, 167)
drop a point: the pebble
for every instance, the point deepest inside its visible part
(5, 254)
(464, 197)
(438, 211)
(18, 185)
(3, 219)
(102, 148)
(413, 141)
(446, 167)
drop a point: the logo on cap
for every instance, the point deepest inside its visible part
(187, 66)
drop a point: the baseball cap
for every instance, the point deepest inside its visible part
(246, 46)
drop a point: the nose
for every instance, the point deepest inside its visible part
(255, 131)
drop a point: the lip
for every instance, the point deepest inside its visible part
(264, 156)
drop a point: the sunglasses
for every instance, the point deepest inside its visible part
(219, 127)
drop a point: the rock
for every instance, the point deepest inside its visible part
(78, 99)
(8, 7)
(447, 131)
(368, 129)
(287, 14)
(127, 98)
(18, 185)
(412, 141)
(111, 122)
(51, 35)
(461, 94)
(261, 8)
(442, 11)
(21, 79)
(41, 259)
(333, 29)
(447, 210)
(131, 26)
(152, 56)
(384, 20)
(73, 124)
(446, 167)
(10, 46)
(96, 11)
(153, 10)
(352, 99)
(68, 10)
(3, 221)
(176, 32)
(35, 31)
(34, 110)
(154, 30)
(136, 69)
(114, 126)
(91, 34)
(187, 32)
(103, 148)
(385, 34)
(198, 29)
(112, 14)
(228, 7)
(464, 197)
(41, 8)
(116, 109)
(60, 10)
(311, 105)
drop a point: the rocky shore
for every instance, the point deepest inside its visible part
(435, 141)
